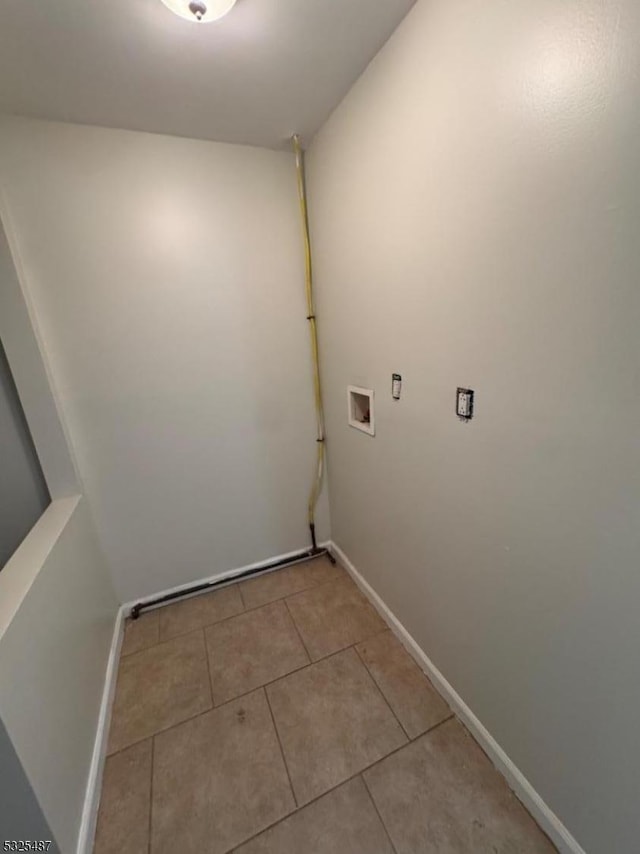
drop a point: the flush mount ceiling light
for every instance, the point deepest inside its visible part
(200, 11)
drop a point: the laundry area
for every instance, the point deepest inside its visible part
(319, 427)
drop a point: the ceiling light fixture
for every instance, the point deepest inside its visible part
(200, 11)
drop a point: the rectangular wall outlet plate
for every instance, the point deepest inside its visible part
(396, 386)
(464, 404)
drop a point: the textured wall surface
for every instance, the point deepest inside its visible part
(475, 209)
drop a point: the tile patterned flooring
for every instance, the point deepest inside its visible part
(280, 715)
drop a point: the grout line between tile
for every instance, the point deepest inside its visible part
(297, 670)
(427, 731)
(161, 643)
(258, 687)
(244, 604)
(313, 585)
(380, 691)
(378, 761)
(244, 694)
(373, 764)
(136, 651)
(375, 806)
(162, 731)
(123, 652)
(204, 625)
(332, 789)
(206, 652)
(295, 626)
(284, 759)
(245, 610)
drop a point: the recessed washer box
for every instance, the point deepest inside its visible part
(360, 409)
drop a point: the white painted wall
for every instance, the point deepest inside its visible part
(167, 278)
(24, 349)
(23, 490)
(474, 208)
(53, 659)
(57, 609)
(20, 814)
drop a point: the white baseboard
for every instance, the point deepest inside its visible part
(541, 812)
(94, 781)
(229, 575)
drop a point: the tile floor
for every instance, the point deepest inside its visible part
(280, 716)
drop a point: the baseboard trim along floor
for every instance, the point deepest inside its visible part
(98, 757)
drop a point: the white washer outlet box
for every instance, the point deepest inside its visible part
(361, 413)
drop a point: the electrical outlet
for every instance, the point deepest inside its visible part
(396, 386)
(464, 404)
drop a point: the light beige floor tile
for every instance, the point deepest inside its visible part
(252, 649)
(199, 611)
(332, 617)
(218, 780)
(159, 687)
(343, 822)
(292, 579)
(141, 633)
(442, 794)
(320, 570)
(332, 722)
(416, 703)
(123, 820)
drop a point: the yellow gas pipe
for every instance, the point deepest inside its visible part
(313, 330)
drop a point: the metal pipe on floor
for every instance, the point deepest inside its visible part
(309, 554)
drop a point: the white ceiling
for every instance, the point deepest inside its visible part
(268, 69)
